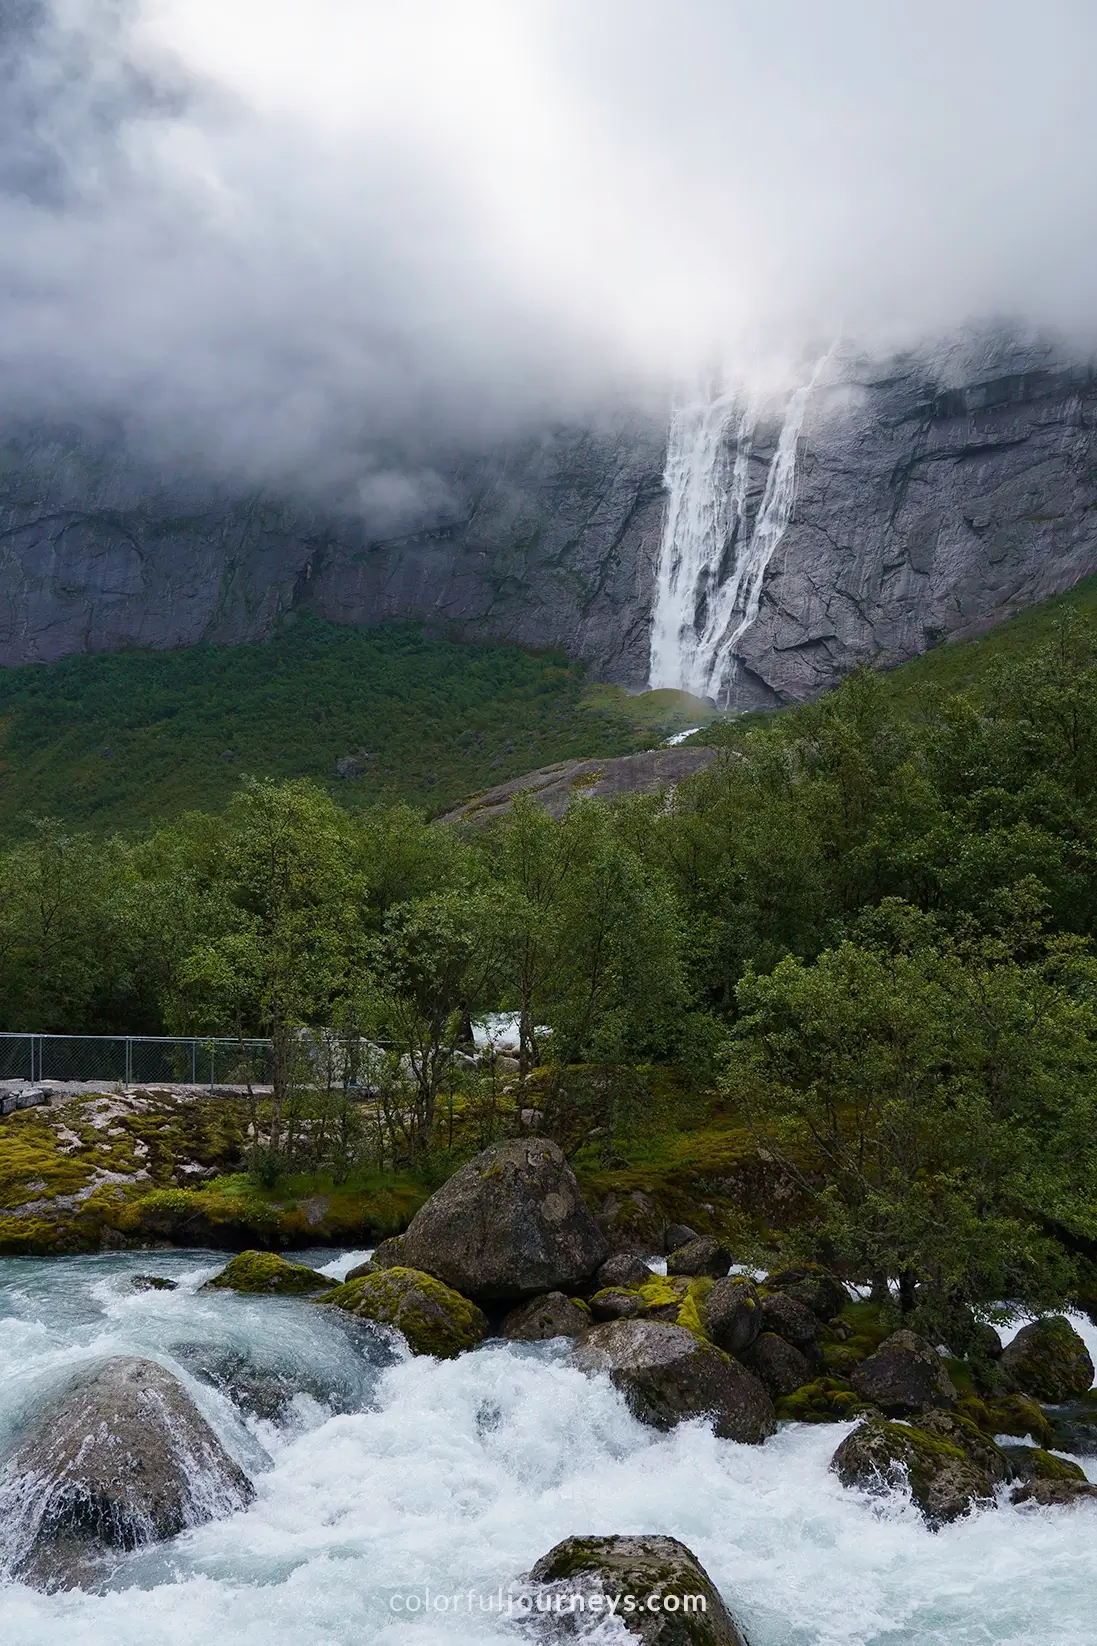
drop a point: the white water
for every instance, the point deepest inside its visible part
(700, 612)
(459, 1474)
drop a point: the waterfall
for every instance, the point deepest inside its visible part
(702, 606)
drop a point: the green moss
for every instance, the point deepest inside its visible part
(826, 1400)
(433, 1318)
(1009, 1415)
(1049, 1467)
(266, 1272)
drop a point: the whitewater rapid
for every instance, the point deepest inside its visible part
(457, 1475)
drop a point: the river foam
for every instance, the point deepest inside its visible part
(455, 1476)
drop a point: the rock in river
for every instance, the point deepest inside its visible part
(120, 1460)
(507, 1225)
(668, 1374)
(433, 1318)
(1050, 1360)
(663, 1595)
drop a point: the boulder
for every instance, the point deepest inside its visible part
(880, 1456)
(906, 1375)
(153, 1283)
(668, 1374)
(685, 1606)
(360, 1270)
(779, 1364)
(268, 1273)
(1049, 1360)
(978, 1447)
(678, 1234)
(388, 1254)
(824, 1400)
(1033, 1463)
(732, 1314)
(552, 1315)
(1055, 1494)
(702, 1256)
(622, 1269)
(507, 1225)
(618, 1303)
(121, 1460)
(790, 1319)
(631, 1223)
(433, 1318)
(815, 1287)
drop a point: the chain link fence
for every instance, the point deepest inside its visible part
(134, 1060)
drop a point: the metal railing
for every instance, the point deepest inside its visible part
(134, 1060)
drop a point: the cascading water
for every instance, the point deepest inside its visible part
(396, 1477)
(702, 606)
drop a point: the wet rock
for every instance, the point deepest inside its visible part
(906, 1375)
(1033, 1463)
(790, 1319)
(121, 1460)
(507, 1225)
(978, 1447)
(1049, 1360)
(153, 1283)
(1074, 1426)
(263, 1390)
(655, 1569)
(622, 1269)
(815, 1287)
(678, 1234)
(779, 1364)
(880, 1456)
(433, 1318)
(1055, 1494)
(267, 1273)
(732, 1314)
(552, 1315)
(823, 1400)
(668, 1374)
(701, 1256)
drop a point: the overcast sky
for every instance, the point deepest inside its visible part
(266, 230)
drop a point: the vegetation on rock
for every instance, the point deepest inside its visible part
(266, 1272)
(434, 1319)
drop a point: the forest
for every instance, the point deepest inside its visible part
(866, 933)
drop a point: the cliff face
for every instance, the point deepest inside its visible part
(920, 512)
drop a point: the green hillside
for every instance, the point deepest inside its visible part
(115, 741)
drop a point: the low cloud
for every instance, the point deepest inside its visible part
(320, 244)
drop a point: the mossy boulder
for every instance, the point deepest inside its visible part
(906, 1375)
(732, 1314)
(1048, 1359)
(881, 1456)
(784, 1314)
(1034, 1463)
(823, 1400)
(268, 1273)
(810, 1284)
(617, 1303)
(701, 1256)
(668, 1374)
(1011, 1414)
(434, 1319)
(552, 1315)
(508, 1225)
(674, 1602)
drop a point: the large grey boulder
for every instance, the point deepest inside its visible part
(700, 1256)
(667, 1374)
(674, 1602)
(118, 1461)
(553, 1315)
(732, 1314)
(507, 1225)
(906, 1375)
(778, 1364)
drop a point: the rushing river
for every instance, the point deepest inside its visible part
(384, 1476)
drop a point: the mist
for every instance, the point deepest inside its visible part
(318, 243)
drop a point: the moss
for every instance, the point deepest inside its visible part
(266, 1272)
(826, 1400)
(1046, 1466)
(433, 1318)
(1015, 1415)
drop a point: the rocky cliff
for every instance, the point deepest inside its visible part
(922, 510)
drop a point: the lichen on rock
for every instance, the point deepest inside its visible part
(433, 1318)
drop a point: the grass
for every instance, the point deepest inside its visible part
(116, 741)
